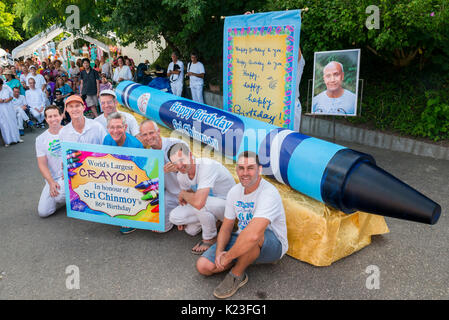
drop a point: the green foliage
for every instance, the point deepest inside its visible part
(409, 29)
(7, 28)
(434, 121)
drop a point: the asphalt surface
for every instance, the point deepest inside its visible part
(36, 254)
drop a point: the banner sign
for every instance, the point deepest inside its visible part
(260, 59)
(114, 185)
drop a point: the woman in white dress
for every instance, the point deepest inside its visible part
(122, 72)
(8, 121)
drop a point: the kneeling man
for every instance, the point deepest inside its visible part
(204, 185)
(262, 230)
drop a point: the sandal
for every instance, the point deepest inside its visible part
(201, 243)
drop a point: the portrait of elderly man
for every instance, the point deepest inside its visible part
(335, 100)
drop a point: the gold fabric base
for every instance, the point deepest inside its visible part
(317, 234)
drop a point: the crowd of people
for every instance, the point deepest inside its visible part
(28, 86)
(201, 195)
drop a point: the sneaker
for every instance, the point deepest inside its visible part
(22, 132)
(126, 230)
(229, 286)
(6, 145)
(20, 141)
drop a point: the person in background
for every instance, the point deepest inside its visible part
(90, 86)
(19, 105)
(105, 84)
(36, 101)
(175, 73)
(122, 72)
(195, 71)
(8, 123)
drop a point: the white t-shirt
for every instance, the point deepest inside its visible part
(208, 174)
(23, 78)
(342, 105)
(38, 78)
(124, 72)
(133, 126)
(264, 202)
(93, 133)
(18, 102)
(176, 79)
(35, 98)
(49, 145)
(196, 68)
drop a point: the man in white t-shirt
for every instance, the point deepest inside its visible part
(36, 101)
(175, 74)
(81, 129)
(195, 71)
(335, 100)
(204, 185)
(150, 136)
(262, 230)
(108, 103)
(40, 82)
(49, 160)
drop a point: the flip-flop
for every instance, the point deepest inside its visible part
(201, 243)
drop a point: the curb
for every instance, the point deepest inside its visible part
(320, 128)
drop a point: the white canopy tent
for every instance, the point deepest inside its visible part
(28, 47)
(67, 42)
(31, 45)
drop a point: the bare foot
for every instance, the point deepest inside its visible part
(181, 227)
(203, 245)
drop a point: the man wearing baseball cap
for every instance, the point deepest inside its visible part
(81, 129)
(108, 102)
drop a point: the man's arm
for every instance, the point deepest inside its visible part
(251, 236)
(195, 199)
(43, 168)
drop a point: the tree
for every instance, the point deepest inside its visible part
(408, 29)
(7, 29)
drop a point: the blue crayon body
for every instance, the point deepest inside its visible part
(335, 175)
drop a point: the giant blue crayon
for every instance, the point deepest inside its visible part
(342, 178)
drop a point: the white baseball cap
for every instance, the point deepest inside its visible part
(108, 92)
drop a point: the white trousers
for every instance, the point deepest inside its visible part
(48, 204)
(176, 88)
(197, 94)
(21, 117)
(204, 219)
(171, 202)
(38, 115)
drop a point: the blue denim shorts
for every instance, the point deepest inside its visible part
(271, 250)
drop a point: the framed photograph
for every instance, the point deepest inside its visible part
(114, 185)
(335, 82)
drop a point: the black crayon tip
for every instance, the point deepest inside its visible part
(371, 189)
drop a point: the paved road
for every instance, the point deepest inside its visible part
(412, 259)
